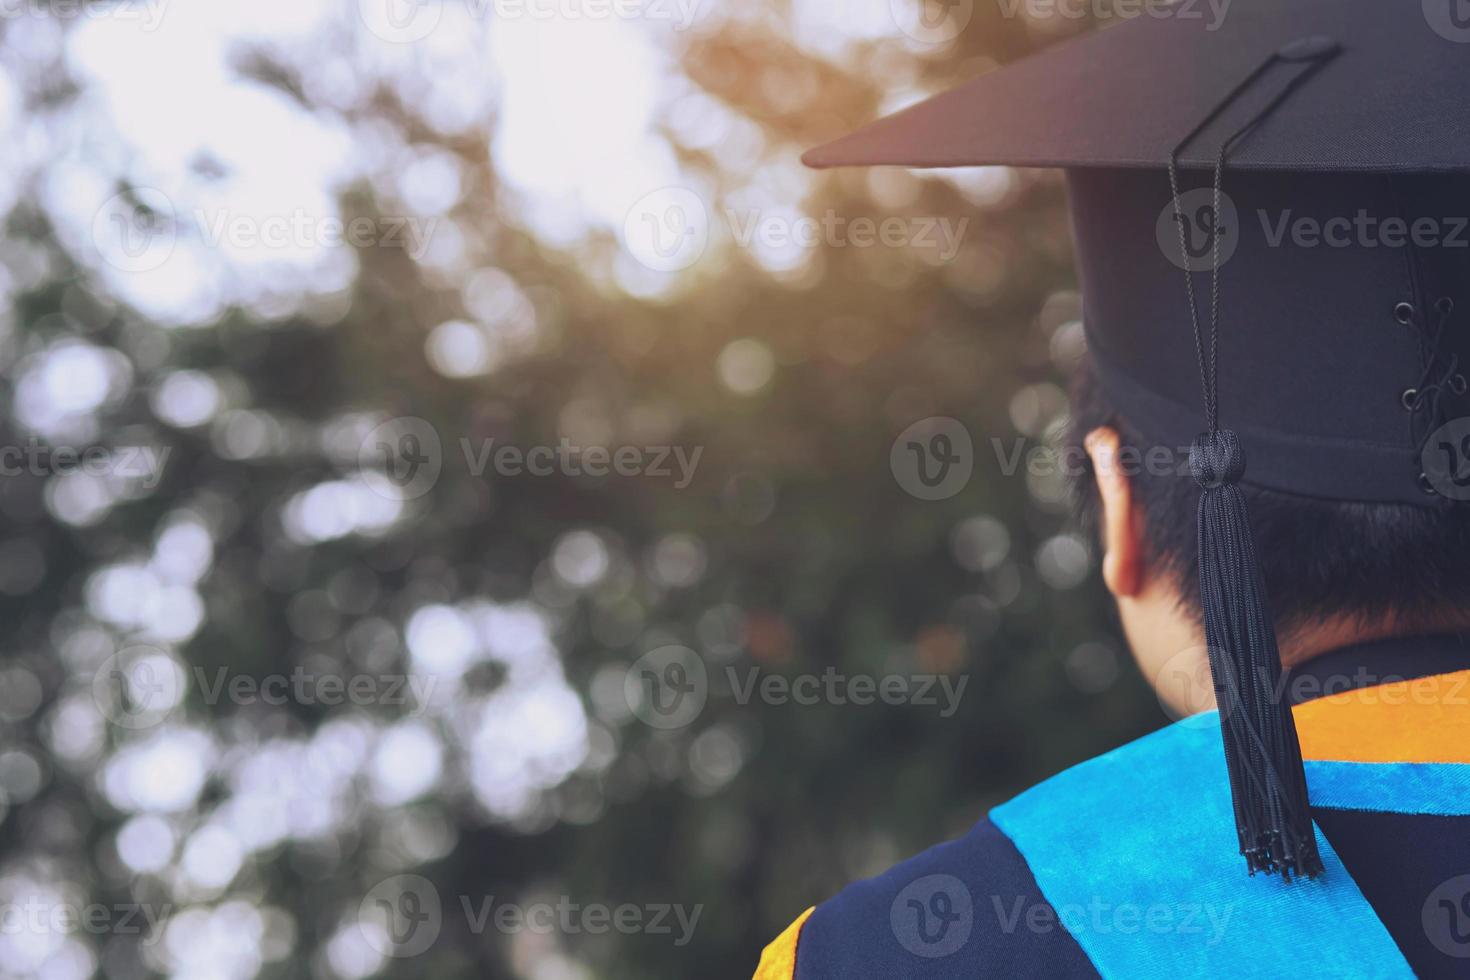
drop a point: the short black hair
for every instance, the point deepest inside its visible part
(1319, 558)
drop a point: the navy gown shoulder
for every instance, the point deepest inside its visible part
(966, 908)
(1126, 865)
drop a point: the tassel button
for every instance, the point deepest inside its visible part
(1216, 459)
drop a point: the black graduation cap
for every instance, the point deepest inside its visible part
(1270, 219)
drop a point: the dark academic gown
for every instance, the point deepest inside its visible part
(1125, 867)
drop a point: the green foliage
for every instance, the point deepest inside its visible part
(807, 554)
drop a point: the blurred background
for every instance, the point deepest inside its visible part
(473, 505)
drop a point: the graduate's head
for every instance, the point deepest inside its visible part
(1275, 271)
(1301, 278)
(1335, 571)
(1341, 359)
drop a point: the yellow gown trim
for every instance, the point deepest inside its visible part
(778, 962)
(1421, 720)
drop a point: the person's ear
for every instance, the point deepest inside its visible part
(1122, 531)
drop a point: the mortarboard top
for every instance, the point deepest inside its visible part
(1316, 362)
(1330, 225)
(1396, 100)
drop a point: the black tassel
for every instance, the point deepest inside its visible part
(1268, 785)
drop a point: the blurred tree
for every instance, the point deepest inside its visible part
(270, 547)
